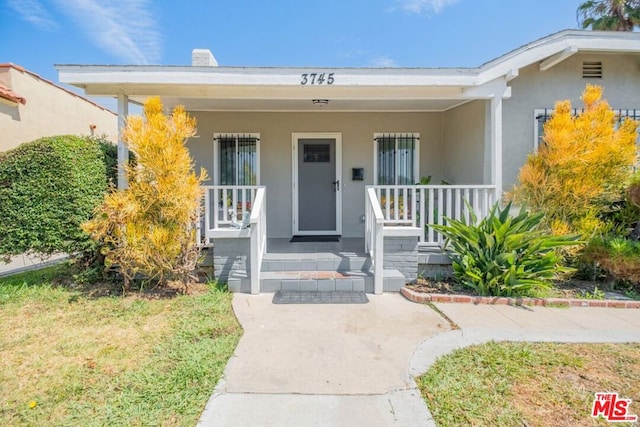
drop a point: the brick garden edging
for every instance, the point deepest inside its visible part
(421, 297)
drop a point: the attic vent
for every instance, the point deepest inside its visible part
(592, 70)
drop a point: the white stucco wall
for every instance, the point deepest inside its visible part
(49, 110)
(541, 89)
(357, 130)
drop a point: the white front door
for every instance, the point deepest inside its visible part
(317, 183)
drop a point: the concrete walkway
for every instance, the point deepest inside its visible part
(353, 365)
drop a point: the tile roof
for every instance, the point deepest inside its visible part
(9, 65)
(10, 95)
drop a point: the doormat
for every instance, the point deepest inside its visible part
(314, 239)
(311, 297)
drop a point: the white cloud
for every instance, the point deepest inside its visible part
(126, 29)
(419, 6)
(34, 12)
(355, 53)
(384, 62)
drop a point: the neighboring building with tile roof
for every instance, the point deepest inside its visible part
(10, 97)
(32, 107)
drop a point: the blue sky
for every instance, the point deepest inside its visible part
(344, 33)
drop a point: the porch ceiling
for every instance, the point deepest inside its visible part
(215, 97)
(307, 105)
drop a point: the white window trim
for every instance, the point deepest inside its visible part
(623, 112)
(216, 153)
(416, 157)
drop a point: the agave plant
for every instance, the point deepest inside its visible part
(505, 254)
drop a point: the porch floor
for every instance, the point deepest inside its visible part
(345, 247)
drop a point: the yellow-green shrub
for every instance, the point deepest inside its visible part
(582, 166)
(149, 227)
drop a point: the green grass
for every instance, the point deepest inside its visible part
(68, 359)
(532, 384)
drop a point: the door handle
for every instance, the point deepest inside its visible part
(336, 185)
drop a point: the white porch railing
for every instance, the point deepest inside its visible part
(218, 222)
(423, 205)
(218, 200)
(258, 236)
(374, 237)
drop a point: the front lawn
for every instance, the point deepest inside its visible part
(67, 358)
(529, 384)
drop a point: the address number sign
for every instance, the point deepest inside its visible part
(316, 79)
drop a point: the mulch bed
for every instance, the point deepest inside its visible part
(569, 293)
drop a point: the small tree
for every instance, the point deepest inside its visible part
(609, 15)
(582, 166)
(149, 228)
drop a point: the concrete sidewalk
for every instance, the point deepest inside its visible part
(20, 263)
(483, 323)
(353, 365)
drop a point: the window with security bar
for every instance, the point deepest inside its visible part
(237, 159)
(396, 158)
(543, 115)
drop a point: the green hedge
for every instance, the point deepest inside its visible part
(110, 156)
(48, 187)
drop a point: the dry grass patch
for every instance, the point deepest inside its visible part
(529, 384)
(66, 359)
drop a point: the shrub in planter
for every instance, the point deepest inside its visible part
(48, 187)
(504, 254)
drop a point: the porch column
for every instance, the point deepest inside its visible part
(123, 151)
(495, 129)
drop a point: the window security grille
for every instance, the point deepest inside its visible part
(237, 159)
(396, 158)
(543, 115)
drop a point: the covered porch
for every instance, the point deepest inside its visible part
(398, 226)
(259, 118)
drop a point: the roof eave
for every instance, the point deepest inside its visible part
(112, 80)
(576, 40)
(89, 75)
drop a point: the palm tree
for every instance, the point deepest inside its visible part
(609, 15)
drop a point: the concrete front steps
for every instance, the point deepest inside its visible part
(323, 272)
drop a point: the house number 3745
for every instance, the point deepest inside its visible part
(316, 78)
